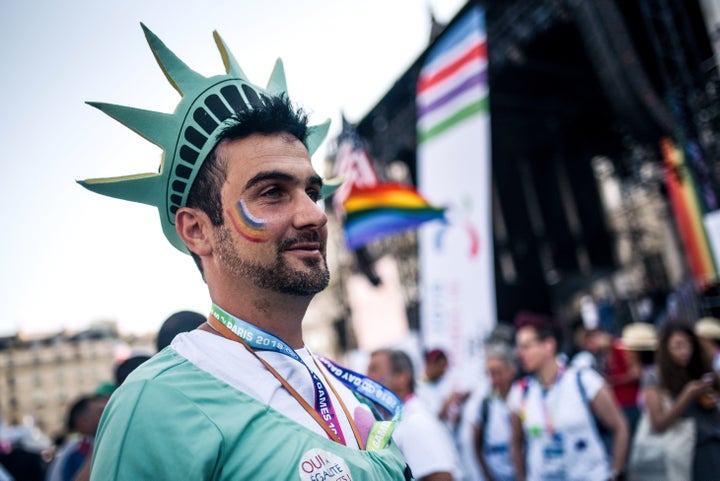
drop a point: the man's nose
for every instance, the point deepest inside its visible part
(309, 214)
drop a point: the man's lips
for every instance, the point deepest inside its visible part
(305, 246)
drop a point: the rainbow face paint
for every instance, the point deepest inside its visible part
(248, 226)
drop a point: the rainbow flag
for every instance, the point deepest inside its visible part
(453, 81)
(688, 213)
(384, 209)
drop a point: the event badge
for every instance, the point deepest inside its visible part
(553, 458)
(320, 465)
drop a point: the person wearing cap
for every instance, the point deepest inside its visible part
(707, 330)
(555, 409)
(241, 397)
(436, 390)
(432, 387)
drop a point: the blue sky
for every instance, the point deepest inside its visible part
(71, 257)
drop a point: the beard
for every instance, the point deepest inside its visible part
(278, 276)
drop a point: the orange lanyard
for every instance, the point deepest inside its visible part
(228, 334)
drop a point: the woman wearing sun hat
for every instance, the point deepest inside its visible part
(674, 395)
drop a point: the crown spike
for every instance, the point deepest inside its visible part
(232, 66)
(180, 76)
(277, 85)
(143, 188)
(157, 127)
(330, 185)
(315, 136)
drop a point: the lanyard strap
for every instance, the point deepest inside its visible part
(369, 388)
(546, 411)
(256, 339)
(381, 431)
(354, 428)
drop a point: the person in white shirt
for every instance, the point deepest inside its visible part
(437, 391)
(492, 427)
(425, 442)
(554, 411)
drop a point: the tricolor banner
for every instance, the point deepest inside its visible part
(456, 258)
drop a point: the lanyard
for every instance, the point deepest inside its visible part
(256, 339)
(381, 431)
(369, 388)
(547, 412)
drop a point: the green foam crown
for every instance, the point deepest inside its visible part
(189, 134)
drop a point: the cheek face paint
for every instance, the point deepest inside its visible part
(248, 226)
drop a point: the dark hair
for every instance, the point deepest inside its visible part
(275, 115)
(125, 368)
(546, 327)
(400, 363)
(672, 376)
(182, 321)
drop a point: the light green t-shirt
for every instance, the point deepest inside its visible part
(171, 420)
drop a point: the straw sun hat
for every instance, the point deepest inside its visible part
(639, 336)
(708, 328)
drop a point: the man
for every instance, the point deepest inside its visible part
(81, 425)
(554, 412)
(422, 438)
(241, 397)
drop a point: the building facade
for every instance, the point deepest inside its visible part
(41, 375)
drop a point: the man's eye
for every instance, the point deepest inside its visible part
(314, 194)
(271, 192)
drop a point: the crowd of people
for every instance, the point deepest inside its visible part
(642, 405)
(639, 406)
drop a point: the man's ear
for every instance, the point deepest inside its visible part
(195, 229)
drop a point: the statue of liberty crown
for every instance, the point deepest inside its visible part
(189, 134)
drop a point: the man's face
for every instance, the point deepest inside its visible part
(274, 233)
(532, 350)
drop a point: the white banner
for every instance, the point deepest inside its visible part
(456, 259)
